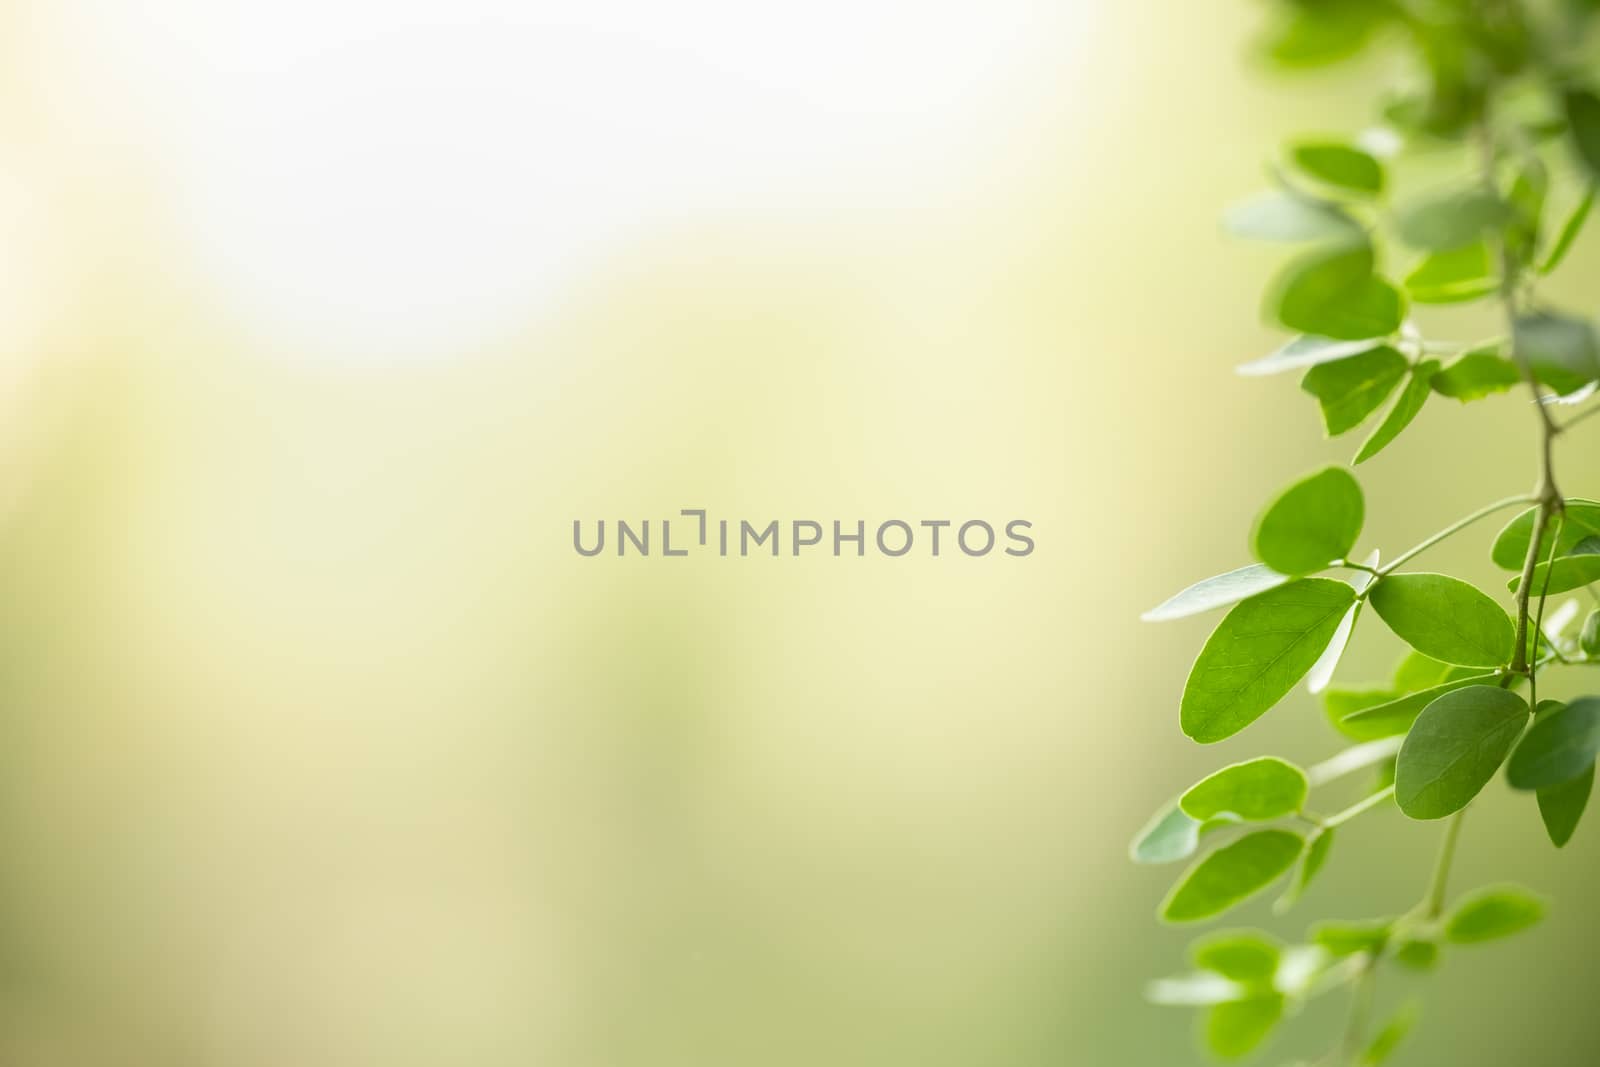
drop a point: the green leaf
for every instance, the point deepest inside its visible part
(1346, 169)
(1581, 520)
(1231, 874)
(1334, 293)
(1338, 704)
(1351, 389)
(1217, 592)
(1445, 618)
(1256, 655)
(1388, 1039)
(1417, 955)
(1569, 232)
(1572, 571)
(1346, 938)
(1589, 636)
(1168, 837)
(1417, 671)
(1256, 790)
(1561, 807)
(1281, 216)
(1306, 351)
(1249, 957)
(1560, 746)
(1562, 350)
(1454, 276)
(1312, 523)
(1493, 912)
(1479, 373)
(1583, 121)
(1455, 747)
(1315, 35)
(1449, 220)
(1406, 408)
(1236, 1029)
(1396, 716)
(1318, 845)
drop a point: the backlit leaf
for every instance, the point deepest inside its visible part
(1256, 655)
(1454, 276)
(1334, 293)
(1479, 373)
(1352, 389)
(1341, 167)
(1231, 874)
(1396, 716)
(1236, 1029)
(1405, 408)
(1493, 912)
(1312, 523)
(1259, 789)
(1249, 957)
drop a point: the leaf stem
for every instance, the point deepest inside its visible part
(1358, 807)
(1451, 530)
(1433, 902)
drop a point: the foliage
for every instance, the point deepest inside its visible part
(1499, 93)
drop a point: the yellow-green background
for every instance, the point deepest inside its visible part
(319, 745)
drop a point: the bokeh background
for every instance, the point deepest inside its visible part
(321, 321)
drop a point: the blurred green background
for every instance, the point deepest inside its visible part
(320, 746)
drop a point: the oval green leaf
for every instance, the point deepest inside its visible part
(1581, 520)
(1256, 790)
(1312, 523)
(1351, 389)
(1479, 373)
(1493, 912)
(1168, 837)
(1560, 746)
(1334, 293)
(1455, 747)
(1394, 717)
(1231, 874)
(1217, 592)
(1262, 647)
(1249, 957)
(1405, 409)
(1238, 1028)
(1339, 166)
(1561, 807)
(1454, 276)
(1445, 618)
